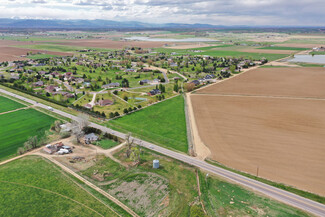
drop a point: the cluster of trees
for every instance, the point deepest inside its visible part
(130, 109)
(114, 114)
(160, 97)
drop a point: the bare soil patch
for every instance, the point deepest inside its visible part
(285, 82)
(284, 138)
(109, 44)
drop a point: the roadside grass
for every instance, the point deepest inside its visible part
(16, 127)
(32, 186)
(222, 198)
(9, 105)
(302, 193)
(163, 124)
(106, 143)
(317, 53)
(283, 48)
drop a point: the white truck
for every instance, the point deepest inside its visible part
(50, 108)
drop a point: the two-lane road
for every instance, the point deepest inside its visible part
(278, 194)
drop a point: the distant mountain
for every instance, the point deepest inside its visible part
(92, 24)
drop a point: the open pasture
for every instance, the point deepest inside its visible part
(16, 127)
(268, 121)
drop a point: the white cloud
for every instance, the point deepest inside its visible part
(218, 12)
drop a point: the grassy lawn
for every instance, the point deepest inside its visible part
(16, 127)
(32, 186)
(282, 48)
(8, 104)
(107, 143)
(222, 198)
(163, 123)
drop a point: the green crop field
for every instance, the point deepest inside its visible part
(225, 53)
(8, 104)
(222, 198)
(58, 47)
(41, 56)
(32, 186)
(163, 124)
(282, 48)
(16, 127)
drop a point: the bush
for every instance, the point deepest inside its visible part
(64, 135)
(20, 151)
(88, 130)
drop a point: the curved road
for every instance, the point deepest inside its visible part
(276, 193)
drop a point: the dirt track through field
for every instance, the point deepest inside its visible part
(271, 119)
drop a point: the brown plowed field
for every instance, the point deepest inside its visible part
(292, 82)
(14, 53)
(271, 118)
(109, 44)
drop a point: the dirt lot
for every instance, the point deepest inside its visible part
(291, 82)
(284, 138)
(105, 43)
(269, 118)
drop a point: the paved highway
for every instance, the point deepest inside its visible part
(276, 193)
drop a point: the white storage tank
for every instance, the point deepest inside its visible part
(155, 164)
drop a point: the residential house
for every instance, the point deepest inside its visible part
(38, 84)
(89, 138)
(154, 92)
(195, 82)
(111, 85)
(105, 102)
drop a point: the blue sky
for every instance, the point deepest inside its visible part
(217, 12)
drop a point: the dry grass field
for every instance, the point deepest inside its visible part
(270, 118)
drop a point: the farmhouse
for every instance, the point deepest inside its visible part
(90, 138)
(195, 82)
(38, 83)
(142, 82)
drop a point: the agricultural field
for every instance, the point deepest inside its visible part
(163, 123)
(7, 104)
(32, 186)
(16, 127)
(268, 120)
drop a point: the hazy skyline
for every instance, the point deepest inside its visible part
(216, 12)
